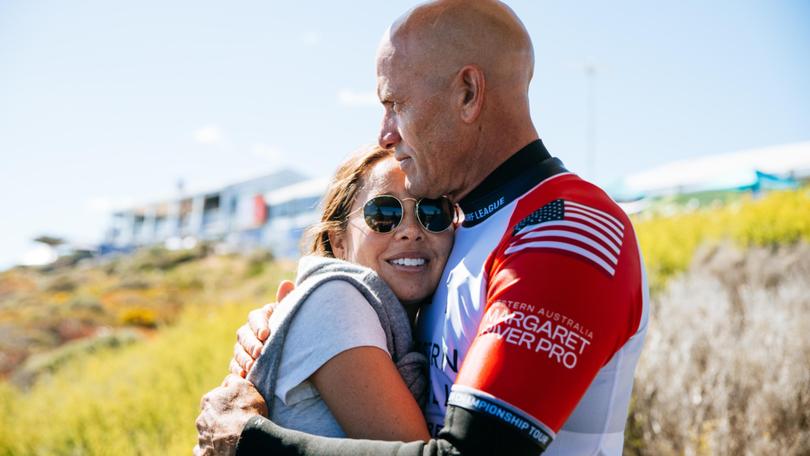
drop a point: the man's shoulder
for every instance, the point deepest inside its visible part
(568, 187)
(569, 216)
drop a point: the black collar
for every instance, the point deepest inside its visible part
(514, 177)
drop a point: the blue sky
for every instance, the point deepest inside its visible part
(110, 103)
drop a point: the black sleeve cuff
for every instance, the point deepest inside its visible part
(262, 437)
(257, 437)
(475, 433)
(465, 432)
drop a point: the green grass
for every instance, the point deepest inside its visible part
(141, 399)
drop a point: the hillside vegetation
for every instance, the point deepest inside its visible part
(669, 239)
(724, 369)
(140, 395)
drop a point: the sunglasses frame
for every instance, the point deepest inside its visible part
(417, 201)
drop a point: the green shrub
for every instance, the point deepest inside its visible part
(48, 362)
(257, 263)
(62, 282)
(138, 316)
(162, 259)
(669, 243)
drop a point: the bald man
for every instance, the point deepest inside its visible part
(536, 327)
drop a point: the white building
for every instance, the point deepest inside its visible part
(237, 214)
(291, 210)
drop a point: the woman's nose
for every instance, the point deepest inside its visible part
(409, 228)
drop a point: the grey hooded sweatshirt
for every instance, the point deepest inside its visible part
(314, 272)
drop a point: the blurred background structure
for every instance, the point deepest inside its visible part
(160, 162)
(236, 216)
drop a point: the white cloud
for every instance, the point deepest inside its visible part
(273, 154)
(311, 38)
(107, 204)
(210, 134)
(352, 98)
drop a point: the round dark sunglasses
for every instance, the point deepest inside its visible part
(383, 213)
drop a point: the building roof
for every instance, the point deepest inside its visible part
(275, 180)
(312, 187)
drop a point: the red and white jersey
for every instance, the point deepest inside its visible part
(542, 309)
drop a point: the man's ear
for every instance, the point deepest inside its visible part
(337, 240)
(471, 84)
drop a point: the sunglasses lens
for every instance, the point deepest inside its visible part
(436, 215)
(382, 213)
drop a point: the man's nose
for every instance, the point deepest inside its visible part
(389, 134)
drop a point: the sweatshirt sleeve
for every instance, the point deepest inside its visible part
(334, 318)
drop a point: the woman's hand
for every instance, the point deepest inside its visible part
(251, 336)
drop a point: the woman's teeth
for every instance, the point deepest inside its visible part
(408, 261)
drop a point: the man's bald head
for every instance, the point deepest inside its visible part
(438, 38)
(453, 76)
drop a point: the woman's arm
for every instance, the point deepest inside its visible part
(335, 341)
(364, 391)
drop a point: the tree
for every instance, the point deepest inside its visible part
(50, 241)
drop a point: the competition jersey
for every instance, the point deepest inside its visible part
(541, 311)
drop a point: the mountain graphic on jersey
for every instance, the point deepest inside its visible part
(577, 229)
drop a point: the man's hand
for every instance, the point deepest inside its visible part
(251, 336)
(224, 412)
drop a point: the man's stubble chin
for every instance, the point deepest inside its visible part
(412, 178)
(421, 189)
(410, 187)
(420, 183)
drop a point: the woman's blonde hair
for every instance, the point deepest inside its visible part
(339, 198)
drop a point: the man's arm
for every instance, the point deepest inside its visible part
(464, 433)
(234, 414)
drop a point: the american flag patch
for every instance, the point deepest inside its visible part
(561, 225)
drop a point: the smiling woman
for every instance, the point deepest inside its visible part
(341, 343)
(409, 257)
